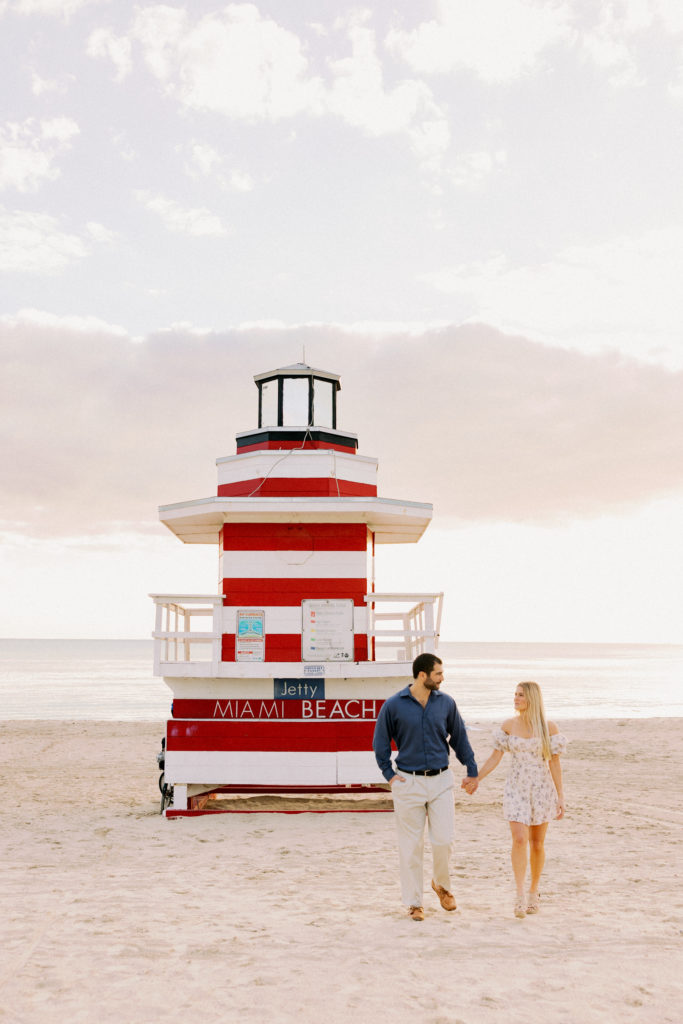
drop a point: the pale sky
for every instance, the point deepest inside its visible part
(471, 210)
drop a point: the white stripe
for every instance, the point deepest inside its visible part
(294, 565)
(258, 768)
(251, 767)
(367, 688)
(357, 766)
(183, 677)
(300, 465)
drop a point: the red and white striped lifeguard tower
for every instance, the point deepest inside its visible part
(282, 691)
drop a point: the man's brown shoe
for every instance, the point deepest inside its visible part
(446, 898)
(417, 913)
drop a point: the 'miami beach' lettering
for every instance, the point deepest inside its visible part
(297, 710)
(244, 709)
(339, 709)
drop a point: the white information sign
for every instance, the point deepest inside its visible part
(327, 631)
(250, 636)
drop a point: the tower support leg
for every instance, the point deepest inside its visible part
(179, 797)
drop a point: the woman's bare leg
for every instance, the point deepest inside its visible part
(520, 841)
(536, 853)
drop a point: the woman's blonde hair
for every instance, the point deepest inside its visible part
(535, 715)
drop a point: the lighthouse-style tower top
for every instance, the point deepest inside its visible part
(297, 407)
(297, 395)
(296, 466)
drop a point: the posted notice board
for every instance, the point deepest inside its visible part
(327, 630)
(250, 638)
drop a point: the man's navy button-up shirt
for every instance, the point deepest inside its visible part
(422, 735)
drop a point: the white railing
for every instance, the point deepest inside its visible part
(416, 628)
(175, 640)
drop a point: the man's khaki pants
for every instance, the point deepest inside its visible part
(420, 798)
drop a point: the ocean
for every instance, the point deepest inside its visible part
(109, 680)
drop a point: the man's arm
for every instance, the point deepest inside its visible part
(460, 743)
(381, 744)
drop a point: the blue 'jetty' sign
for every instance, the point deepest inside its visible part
(296, 689)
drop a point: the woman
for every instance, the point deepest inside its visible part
(533, 790)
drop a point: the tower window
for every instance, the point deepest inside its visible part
(295, 402)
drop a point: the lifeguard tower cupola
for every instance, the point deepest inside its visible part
(278, 679)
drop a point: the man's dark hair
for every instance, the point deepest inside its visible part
(425, 663)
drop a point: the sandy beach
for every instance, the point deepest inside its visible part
(113, 913)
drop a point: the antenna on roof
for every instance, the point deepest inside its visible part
(303, 349)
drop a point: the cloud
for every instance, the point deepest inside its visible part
(180, 219)
(503, 41)
(99, 233)
(34, 243)
(77, 325)
(613, 42)
(245, 66)
(620, 41)
(359, 96)
(97, 429)
(206, 162)
(609, 44)
(123, 147)
(28, 151)
(235, 62)
(626, 287)
(669, 12)
(41, 86)
(473, 170)
(63, 8)
(498, 40)
(105, 43)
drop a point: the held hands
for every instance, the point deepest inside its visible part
(469, 785)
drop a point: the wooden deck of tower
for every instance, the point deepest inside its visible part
(277, 680)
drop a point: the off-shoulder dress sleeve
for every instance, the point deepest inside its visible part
(558, 743)
(501, 740)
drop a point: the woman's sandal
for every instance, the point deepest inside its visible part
(520, 907)
(533, 903)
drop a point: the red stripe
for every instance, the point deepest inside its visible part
(170, 813)
(271, 736)
(282, 445)
(373, 647)
(287, 647)
(288, 487)
(271, 709)
(295, 537)
(288, 592)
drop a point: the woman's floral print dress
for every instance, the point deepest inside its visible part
(529, 795)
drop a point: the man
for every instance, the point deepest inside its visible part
(423, 722)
